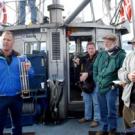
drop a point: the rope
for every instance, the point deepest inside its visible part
(56, 96)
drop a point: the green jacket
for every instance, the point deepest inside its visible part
(105, 68)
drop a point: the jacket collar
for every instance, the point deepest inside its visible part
(13, 53)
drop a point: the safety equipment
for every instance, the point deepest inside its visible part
(3, 13)
(125, 11)
(127, 6)
(24, 80)
(122, 14)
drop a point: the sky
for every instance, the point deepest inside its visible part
(69, 7)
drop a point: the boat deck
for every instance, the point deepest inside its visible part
(68, 127)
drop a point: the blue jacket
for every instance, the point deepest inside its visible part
(10, 83)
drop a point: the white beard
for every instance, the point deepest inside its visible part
(106, 49)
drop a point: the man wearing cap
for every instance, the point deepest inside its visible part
(127, 75)
(105, 70)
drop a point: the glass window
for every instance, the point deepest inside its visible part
(72, 47)
(29, 47)
(84, 46)
(43, 46)
(127, 47)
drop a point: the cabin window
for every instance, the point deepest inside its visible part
(100, 46)
(72, 47)
(128, 48)
(43, 46)
(29, 47)
(84, 46)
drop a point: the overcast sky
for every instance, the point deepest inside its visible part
(69, 7)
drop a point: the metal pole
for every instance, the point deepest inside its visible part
(133, 15)
(56, 2)
(76, 12)
(43, 7)
(92, 10)
(108, 7)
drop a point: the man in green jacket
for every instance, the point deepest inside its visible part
(105, 70)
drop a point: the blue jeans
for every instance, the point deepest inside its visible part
(87, 98)
(109, 110)
(22, 12)
(96, 109)
(14, 105)
(91, 105)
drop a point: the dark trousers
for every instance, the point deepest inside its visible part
(13, 105)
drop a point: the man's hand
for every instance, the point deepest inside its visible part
(83, 76)
(77, 61)
(131, 76)
(27, 65)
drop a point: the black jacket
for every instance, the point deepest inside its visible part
(87, 66)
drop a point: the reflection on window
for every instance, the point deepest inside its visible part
(43, 46)
(84, 46)
(72, 47)
(100, 46)
(29, 47)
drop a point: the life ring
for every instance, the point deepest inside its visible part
(3, 13)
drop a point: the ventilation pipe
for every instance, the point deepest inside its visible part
(56, 2)
(55, 10)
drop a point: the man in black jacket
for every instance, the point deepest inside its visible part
(90, 94)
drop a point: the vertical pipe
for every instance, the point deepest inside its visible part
(92, 10)
(56, 1)
(16, 8)
(55, 10)
(43, 9)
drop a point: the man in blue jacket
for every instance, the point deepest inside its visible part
(10, 84)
